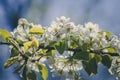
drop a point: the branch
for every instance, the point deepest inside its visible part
(69, 49)
(4, 43)
(21, 53)
(78, 50)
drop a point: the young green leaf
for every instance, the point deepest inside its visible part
(5, 34)
(27, 45)
(36, 30)
(43, 71)
(35, 42)
(108, 33)
(10, 61)
(112, 50)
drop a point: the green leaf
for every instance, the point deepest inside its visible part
(106, 60)
(35, 42)
(93, 65)
(14, 52)
(51, 52)
(31, 75)
(10, 61)
(20, 42)
(112, 50)
(36, 30)
(61, 46)
(108, 33)
(43, 71)
(91, 55)
(5, 34)
(86, 67)
(27, 45)
(98, 58)
(81, 55)
(24, 72)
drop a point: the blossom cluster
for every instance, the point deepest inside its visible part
(41, 43)
(115, 68)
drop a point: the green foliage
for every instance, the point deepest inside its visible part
(27, 45)
(5, 34)
(106, 60)
(81, 55)
(20, 42)
(87, 67)
(14, 52)
(98, 58)
(24, 72)
(34, 42)
(61, 46)
(10, 61)
(112, 50)
(43, 71)
(31, 75)
(51, 52)
(91, 65)
(108, 33)
(36, 30)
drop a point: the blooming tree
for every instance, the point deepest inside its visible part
(63, 46)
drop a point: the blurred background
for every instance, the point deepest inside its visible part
(106, 13)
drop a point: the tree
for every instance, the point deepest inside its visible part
(64, 47)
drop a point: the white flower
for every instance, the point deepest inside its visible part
(115, 67)
(63, 20)
(22, 22)
(114, 41)
(95, 46)
(65, 68)
(92, 27)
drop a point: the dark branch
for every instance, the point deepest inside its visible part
(69, 49)
(78, 50)
(4, 43)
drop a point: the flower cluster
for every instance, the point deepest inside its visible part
(63, 29)
(65, 68)
(65, 47)
(115, 68)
